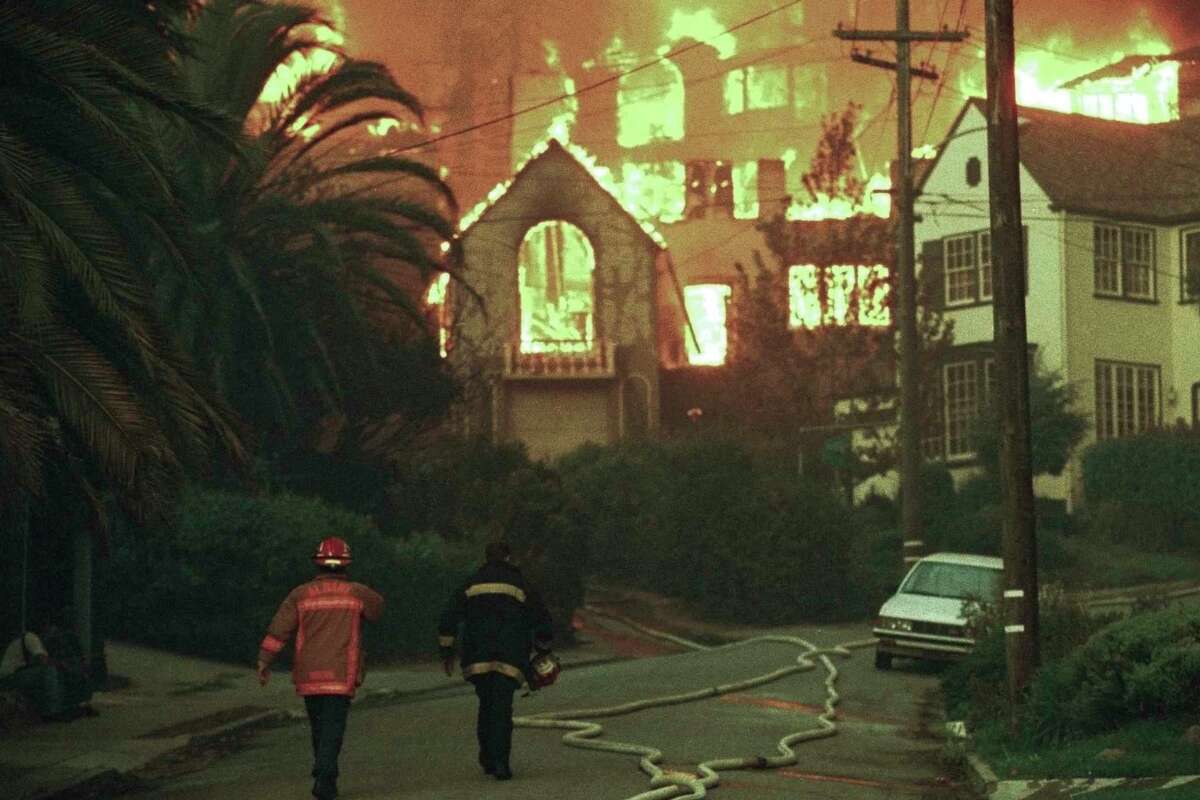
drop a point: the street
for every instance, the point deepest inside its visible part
(887, 744)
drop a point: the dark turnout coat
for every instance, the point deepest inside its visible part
(502, 618)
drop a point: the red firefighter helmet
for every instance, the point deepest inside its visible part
(332, 552)
(543, 670)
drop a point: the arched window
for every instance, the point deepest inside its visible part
(554, 272)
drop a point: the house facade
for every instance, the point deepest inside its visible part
(1111, 212)
(563, 340)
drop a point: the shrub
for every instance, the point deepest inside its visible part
(470, 490)
(1145, 666)
(227, 561)
(1145, 490)
(706, 521)
(975, 688)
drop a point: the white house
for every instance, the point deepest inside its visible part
(1112, 220)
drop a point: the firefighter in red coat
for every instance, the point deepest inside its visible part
(325, 615)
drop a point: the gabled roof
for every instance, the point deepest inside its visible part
(551, 148)
(1146, 173)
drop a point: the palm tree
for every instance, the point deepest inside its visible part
(315, 249)
(89, 383)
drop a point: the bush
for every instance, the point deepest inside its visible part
(1144, 666)
(706, 521)
(1097, 672)
(1145, 490)
(976, 688)
(228, 560)
(469, 491)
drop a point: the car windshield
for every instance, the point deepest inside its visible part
(939, 579)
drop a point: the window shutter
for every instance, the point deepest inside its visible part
(1025, 255)
(932, 273)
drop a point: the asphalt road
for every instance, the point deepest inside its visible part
(424, 749)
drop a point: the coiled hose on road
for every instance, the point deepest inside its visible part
(583, 733)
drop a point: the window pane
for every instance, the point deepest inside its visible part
(1147, 399)
(960, 267)
(985, 266)
(1191, 265)
(706, 308)
(1125, 395)
(554, 271)
(1108, 253)
(804, 297)
(962, 404)
(1104, 412)
(766, 86)
(1137, 250)
(874, 289)
(735, 91)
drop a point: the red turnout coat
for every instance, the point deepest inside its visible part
(325, 615)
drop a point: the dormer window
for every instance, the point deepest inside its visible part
(555, 268)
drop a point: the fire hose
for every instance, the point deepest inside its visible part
(583, 733)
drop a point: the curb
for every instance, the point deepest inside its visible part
(984, 782)
(54, 786)
(263, 718)
(981, 777)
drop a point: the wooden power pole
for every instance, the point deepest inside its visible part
(1012, 356)
(906, 282)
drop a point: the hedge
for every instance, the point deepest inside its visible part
(706, 521)
(1096, 673)
(1145, 490)
(208, 583)
(1143, 667)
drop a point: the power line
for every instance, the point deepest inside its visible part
(610, 79)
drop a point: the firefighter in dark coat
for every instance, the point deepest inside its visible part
(502, 618)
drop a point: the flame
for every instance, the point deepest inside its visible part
(288, 75)
(707, 306)
(877, 201)
(650, 105)
(602, 176)
(567, 110)
(845, 285)
(1148, 93)
(435, 299)
(702, 26)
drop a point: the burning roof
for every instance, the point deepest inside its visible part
(1126, 66)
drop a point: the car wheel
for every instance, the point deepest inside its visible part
(883, 660)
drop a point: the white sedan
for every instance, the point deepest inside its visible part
(926, 617)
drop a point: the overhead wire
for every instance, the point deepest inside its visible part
(602, 82)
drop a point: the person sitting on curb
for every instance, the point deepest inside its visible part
(57, 689)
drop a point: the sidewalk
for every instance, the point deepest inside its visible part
(174, 702)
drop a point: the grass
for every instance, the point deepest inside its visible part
(1096, 564)
(1188, 791)
(1152, 748)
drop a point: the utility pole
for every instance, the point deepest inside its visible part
(1012, 357)
(906, 281)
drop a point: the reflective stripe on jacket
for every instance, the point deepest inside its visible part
(325, 616)
(501, 618)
